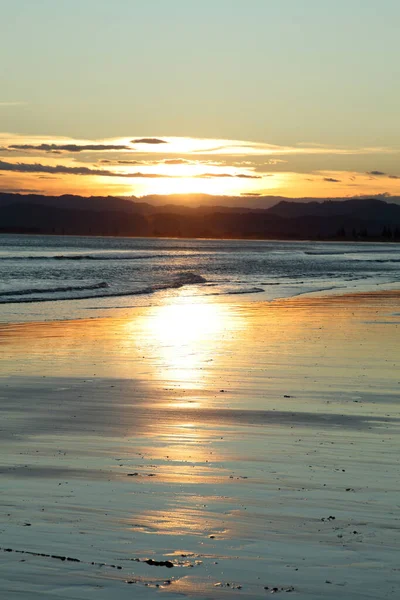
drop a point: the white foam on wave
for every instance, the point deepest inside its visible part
(55, 290)
(74, 292)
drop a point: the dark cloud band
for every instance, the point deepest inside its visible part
(148, 141)
(62, 169)
(382, 174)
(39, 168)
(239, 175)
(69, 147)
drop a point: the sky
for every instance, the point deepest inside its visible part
(228, 97)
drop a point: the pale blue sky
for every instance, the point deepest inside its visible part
(281, 72)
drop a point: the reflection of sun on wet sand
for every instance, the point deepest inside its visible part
(252, 445)
(183, 339)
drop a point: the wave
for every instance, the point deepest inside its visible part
(98, 257)
(345, 251)
(353, 255)
(324, 253)
(178, 281)
(318, 290)
(185, 278)
(69, 288)
(385, 260)
(253, 290)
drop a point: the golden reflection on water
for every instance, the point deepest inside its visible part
(186, 454)
(188, 518)
(183, 340)
(186, 444)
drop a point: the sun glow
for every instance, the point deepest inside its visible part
(183, 340)
(186, 334)
(186, 185)
(159, 165)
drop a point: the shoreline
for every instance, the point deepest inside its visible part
(84, 277)
(390, 290)
(332, 239)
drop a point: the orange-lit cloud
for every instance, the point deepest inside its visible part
(143, 166)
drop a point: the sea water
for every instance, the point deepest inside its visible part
(61, 277)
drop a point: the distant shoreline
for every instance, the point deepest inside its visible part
(377, 240)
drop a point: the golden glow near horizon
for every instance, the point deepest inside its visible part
(141, 166)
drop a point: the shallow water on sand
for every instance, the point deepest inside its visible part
(257, 448)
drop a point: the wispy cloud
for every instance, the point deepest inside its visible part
(177, 161)
(66, 170)
(69, 147)
(143, 165)
(382, 174)
(184, 148)
(131, 162)
(150, 141)
(16, 103)
(244, 148)
(239, 175)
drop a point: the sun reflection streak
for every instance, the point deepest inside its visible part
(183, 340)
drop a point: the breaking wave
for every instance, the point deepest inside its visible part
(386, 260)
(254, 290)
(99, 257)
(75, 292)
(56, 290)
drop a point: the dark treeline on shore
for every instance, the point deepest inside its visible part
(355, 219)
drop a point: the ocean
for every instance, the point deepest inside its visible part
(59, 277)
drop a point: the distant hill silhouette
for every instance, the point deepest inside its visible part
(361, 219)
(356, 207)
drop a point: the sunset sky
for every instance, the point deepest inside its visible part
(224, 97)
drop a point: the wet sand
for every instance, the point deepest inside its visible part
(242, 450)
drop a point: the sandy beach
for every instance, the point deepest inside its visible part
(203, 450)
